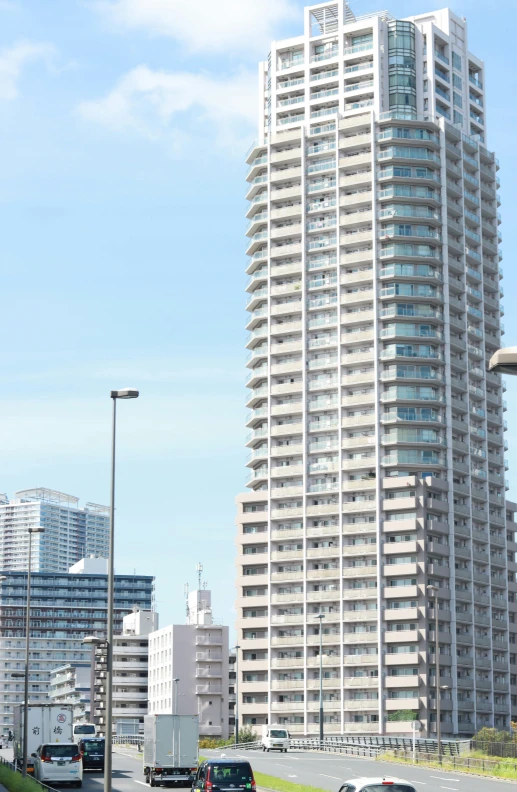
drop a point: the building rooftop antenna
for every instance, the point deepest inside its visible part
(186, 602)
(199, 570)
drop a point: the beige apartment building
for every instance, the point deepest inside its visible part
(376, 435)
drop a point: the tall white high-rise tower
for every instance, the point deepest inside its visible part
(69, 532)
(376, 462)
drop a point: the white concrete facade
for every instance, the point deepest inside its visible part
(71, 684)
(130, 673)
(70, 532)
(197, 655)
(376, 440)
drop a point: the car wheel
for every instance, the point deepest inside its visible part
(152, 782)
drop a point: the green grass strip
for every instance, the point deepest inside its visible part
(15, 782)
(279, 785)
(506, 768)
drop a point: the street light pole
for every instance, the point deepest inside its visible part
(237, 694)
(433, 591)
(321, 616)
(175, 695)
(127, 393)
(27, 647)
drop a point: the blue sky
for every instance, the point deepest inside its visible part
(123, 129)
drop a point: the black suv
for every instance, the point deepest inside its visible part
(224, 775)
(92, 752)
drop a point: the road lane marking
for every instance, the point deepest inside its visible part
(139, 782)
(453, 788)
(292, 776)
(336, 778)
(441, 778)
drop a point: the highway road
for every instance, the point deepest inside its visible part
(127, 773)
(329, 771)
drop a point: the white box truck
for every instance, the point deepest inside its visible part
(170, 749)
(275, 738)
(48, 723)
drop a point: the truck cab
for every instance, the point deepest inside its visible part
(275, 738)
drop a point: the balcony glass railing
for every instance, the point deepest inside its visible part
(471, 197)
(321, 261)
(441, 74)
(324, 111)
(476, 100)
(290, 62)
(318, 224)
(442, 93)
(477, 118)
(472, 179)
(358, 105)
(323, 94)
(361, 86)
(443, 112)
(318, 148)
(475, 81)
(317, 167)
(359, 67)
(291, 101)
(321, 56)
(442, 56)
(358, 48)
(325, 75)
(327, 204)
(291, 83)
(292, 119)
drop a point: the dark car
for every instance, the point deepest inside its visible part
(224, 775)
(92, 752)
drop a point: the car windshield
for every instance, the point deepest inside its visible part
(84, 729)
(278, 733)
(59, 751)
(93, 746)
(231, 773)
(386, 787)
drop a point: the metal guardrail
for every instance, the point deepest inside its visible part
(456, 762)
(315, 745)
(362, 746)
(130, 739)
(12, 766)
(507, 749)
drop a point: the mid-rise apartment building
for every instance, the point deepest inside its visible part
(64, 609)
(69, 532)
(71, 684)
(189, 668)
(376, 445)
(130, 675)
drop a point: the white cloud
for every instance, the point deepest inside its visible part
(147, 102)
(208, 25)
(14, 59)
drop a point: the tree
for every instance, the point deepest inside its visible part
(403, 715)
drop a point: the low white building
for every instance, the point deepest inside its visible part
(130, 674)
(189, 668)
(71, 684)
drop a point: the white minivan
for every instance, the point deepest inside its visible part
(275, 738)
(59, 763)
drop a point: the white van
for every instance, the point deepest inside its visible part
(58, 763)
(275, 738)
(82, 730)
